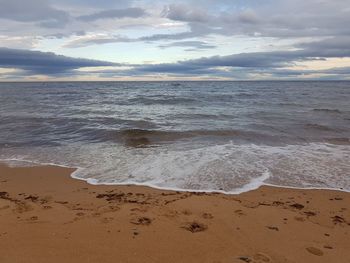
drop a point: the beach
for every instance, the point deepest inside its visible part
(174, 131)
(46, 216)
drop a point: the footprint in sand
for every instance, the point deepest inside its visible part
(257, 258)
(33, 218)
(22, 207)
(106, 220)
(314, 251)
(261, 257)
(145, 221)
(273, 228)
(108, 209)
(207, 216)
(195, 227)
(338, 220)
(239, 212)
(186, 212)
(297, 206)
(299, 218)
(4, 207)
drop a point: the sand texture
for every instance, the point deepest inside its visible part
(46, 216)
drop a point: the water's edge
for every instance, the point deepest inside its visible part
(255, 183)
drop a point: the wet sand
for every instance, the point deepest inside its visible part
(46, 216)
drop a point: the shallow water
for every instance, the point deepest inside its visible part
(230, 136)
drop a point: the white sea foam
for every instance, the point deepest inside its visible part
(255, 183)
(229, 168)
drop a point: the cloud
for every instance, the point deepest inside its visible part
(263, 37)
(242, 65)
(190, 45)
(96, 40)
(185, 13)
(114, 14)
(267, 62)
(338, 45)
(287, 18)
(25, 42)
(33, 11)
(36, 62)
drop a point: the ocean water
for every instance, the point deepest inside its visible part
(205, 136)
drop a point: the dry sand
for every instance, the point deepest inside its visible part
(45, 216)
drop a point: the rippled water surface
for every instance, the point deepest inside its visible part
(230, 136)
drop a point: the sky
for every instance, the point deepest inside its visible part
(74, 40)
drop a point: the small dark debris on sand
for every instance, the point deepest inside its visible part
(245, 259)
(195, 227)
(273, 228)
(309, 213)
(328, 247)
(297, 206)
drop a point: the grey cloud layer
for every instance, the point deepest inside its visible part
(190, 45)
(114, 13)
(273, 62)
(33, 11)
(283, 19)
(324, 23)
(36, 62)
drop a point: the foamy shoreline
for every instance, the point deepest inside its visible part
(253, 185)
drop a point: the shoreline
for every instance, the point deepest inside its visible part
(88, 181)
(48, 216)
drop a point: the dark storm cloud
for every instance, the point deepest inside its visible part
(36, 62)
(114, 13)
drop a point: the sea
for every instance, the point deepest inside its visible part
(226, 137)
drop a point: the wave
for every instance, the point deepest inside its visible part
(319, 127)
(144, 138)
(244, 95)
(327, 110)
(161, 101)
(338, 141)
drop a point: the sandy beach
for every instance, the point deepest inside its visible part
(46, 216)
